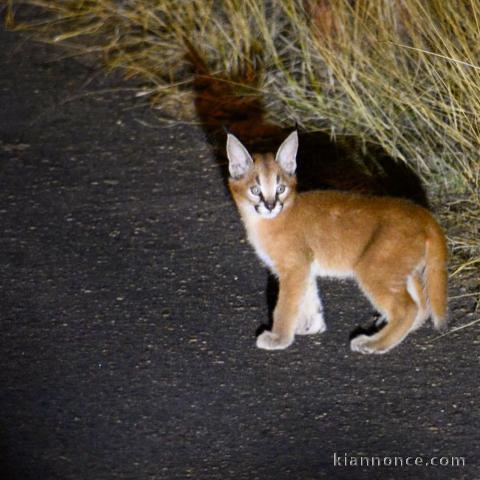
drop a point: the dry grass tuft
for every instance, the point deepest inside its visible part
(403, 75)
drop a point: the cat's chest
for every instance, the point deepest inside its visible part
(256, 241)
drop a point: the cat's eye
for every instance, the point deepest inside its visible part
(281, 189)
(255, 190)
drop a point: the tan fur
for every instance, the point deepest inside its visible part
(393, 248)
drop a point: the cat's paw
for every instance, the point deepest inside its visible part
(310, 324)
(363, 344)
(273, 341)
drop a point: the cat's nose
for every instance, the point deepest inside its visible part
(270, 205)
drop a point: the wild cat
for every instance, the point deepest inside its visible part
(394, 249)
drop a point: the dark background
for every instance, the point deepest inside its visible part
(130, 301)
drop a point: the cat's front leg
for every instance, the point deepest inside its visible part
(293, 286)
(273, 341)
(310, 318)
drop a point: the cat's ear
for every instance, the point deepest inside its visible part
(287, 153)
(239, 160)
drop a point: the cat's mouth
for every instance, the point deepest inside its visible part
(270, 211)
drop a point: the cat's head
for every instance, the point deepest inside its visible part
(263, 184)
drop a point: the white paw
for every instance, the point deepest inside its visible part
(272, 341)
(362, 344)
(308, 325)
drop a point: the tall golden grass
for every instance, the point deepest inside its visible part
(404, 75)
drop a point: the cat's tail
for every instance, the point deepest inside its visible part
(436, 275)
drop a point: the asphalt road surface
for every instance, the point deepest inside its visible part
(130, 302)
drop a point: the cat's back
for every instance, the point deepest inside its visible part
(346, 210)
(328, 201)
(339, 226)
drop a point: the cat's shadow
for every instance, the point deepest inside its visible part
(271, 294)
(344, 164)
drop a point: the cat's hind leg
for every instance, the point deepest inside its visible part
(401, 314)
(310, 319)
(390, 295)
(416, 290)
(383, 273)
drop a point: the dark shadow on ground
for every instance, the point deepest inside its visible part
(271, 296)
(343, 164)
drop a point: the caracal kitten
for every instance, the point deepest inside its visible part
(394, 249)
